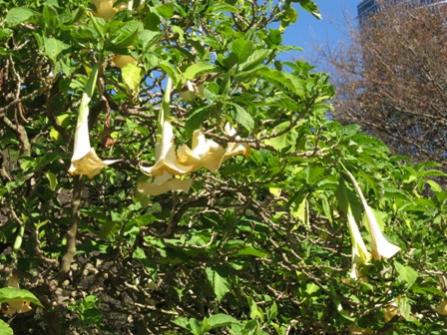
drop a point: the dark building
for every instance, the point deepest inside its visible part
(367, 7)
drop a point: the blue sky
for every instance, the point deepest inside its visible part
(308, 32)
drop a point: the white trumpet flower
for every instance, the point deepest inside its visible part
(85, 161)
(203, 153)
(233, 148)
(166, 156)
(380, 246)
(164, 183)
(360, 254)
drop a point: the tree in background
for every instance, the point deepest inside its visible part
(164, 172)
(393, 80)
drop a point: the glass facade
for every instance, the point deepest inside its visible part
(368, 7)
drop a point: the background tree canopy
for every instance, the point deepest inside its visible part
(251, 221)
(392, 80)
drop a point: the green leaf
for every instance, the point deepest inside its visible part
(197, 69)
(256, 58)
(12, 293)
(5, 33)
(182, 322)
(148, 38)
(255, 311)
(251, 251)
(242, 48)
(242, 117)
(52, 179)
(18, 15)
(53, 47)
(406, 273)
(219, 284)
(5, 329)
(166, 11)
(220, 320)
(196, 118)
(311, 7)
(127, 34)
(132, 75)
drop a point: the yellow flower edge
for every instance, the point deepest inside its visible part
(89, 165)
(203, 153)
(163, 184)
(105, 8)
(121, 61)
(166, 156)
(16, 306)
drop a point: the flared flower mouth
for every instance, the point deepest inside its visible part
(166, 156)
(164, 183)
(360, 254)
(380, 246)
(203, 153)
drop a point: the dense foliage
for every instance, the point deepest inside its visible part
(260, 243)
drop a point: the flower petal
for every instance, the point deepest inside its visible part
(360, 254)
(166, 156)
(204, 153)
(90, 165)
(164, 183)
(381, 247)
(17, 306)
(233, 148)
(105, 8)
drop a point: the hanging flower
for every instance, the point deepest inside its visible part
(233, 148)
(166, 156)
(105, 8)
(390, 311)
(442, 308)
(164, 183)
(122, 60)
(360, 254)
(203, 153)
(380, 246)
(85, 161)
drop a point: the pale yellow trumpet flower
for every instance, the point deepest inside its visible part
(105, 8)
(360, 254)
(122, 60)
(16, 306)
(380, 246)
(203, 153)
(166, 155)
(164, 183)
(85, 161)
(442, 308)
(234, 148)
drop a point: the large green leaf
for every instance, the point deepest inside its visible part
(12, 293)
(219, 284)
(18, 15)
(5, 329)
(53, 47)
(197, 69)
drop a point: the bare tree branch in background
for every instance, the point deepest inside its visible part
(392, 80)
